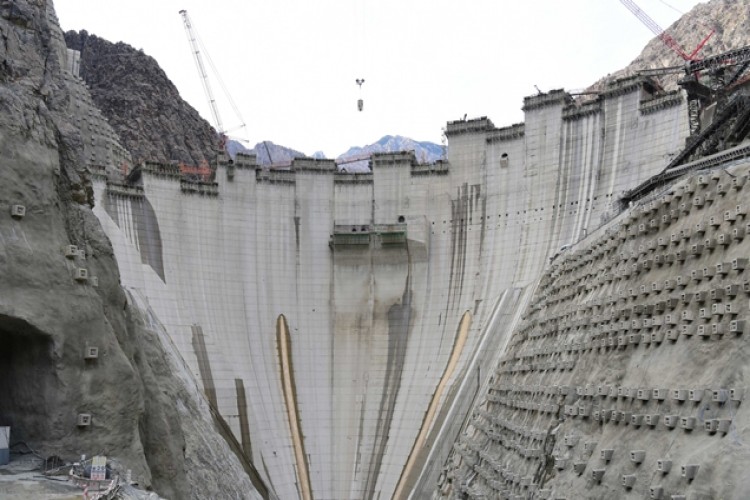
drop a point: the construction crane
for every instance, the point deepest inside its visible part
(202, 70)
(196, 46)
(697, 93)
(665, 37)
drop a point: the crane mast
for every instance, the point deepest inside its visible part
(192, 39)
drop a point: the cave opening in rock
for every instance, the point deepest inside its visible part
(27, 381)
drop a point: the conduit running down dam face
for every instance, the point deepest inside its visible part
(374, 276)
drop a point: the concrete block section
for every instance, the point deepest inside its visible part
(696, 395)
(597, 474)
(689, 471)
(671, 421)
(637, 456)
(663, 465)
(628, 480)
(652, 420)
(18, 211)
(656, 492)
(687, 423)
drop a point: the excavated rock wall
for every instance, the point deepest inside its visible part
(627, 377)
(58, 302)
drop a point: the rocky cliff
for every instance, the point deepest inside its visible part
(60, 296)
(141, 103)
(728, 19)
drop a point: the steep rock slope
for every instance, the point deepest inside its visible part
(56, 303)
(727, 18)
(627, 377)
(142, 104)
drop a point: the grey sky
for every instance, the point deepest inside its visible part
(291, 65)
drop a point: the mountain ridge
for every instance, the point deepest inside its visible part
(728, 19)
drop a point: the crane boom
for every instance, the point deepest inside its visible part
(665, 37)
(202, 71)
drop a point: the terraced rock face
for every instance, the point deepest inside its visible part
(628, 373)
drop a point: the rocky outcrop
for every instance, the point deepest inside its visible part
(141, 103)
(58, 301)
(728, 19)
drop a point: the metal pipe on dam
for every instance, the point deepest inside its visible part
(373, 276)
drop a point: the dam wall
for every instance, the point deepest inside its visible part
(344, 324)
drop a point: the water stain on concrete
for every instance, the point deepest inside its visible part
(399, 322)
(204, 364)
(284, 346)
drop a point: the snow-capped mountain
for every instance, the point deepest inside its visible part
(426, 152)
(355, 159)
(266, 152)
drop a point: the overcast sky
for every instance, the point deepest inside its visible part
(291, 65)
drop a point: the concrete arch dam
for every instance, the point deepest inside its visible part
(339, 323)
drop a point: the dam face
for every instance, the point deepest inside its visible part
(344, 324)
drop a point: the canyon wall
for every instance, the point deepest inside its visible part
(84, 367)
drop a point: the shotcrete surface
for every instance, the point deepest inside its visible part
(626, 376)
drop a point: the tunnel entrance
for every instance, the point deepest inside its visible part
(27, 381)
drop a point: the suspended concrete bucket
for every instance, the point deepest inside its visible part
(360, 104)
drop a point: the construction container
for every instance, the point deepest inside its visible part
(4, 445)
